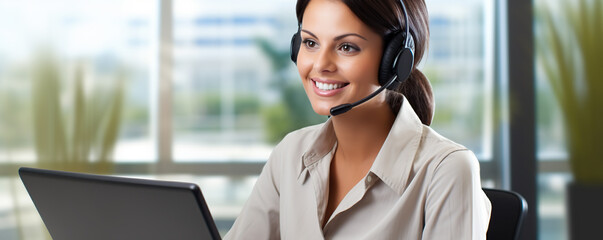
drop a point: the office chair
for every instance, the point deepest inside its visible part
(508, 211)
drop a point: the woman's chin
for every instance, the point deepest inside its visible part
(324, 110)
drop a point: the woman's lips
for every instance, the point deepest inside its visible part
(327, 88)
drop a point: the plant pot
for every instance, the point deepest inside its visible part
(585, 210)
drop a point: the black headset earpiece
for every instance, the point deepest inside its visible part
(295, 44)
(397, 59)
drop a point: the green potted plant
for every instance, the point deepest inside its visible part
(569, 43)
(81, 135)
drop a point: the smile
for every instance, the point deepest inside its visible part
(328, 86)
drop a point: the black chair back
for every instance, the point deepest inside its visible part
(508, 211)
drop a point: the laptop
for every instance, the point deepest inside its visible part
(76, 206)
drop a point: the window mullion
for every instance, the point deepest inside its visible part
(164, 84)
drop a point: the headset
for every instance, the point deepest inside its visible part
(396, 63)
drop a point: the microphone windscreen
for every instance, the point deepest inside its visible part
(341, 109)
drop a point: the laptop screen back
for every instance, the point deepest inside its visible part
(85, 206)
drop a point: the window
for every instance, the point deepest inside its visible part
(101, 44)
(460, 66)
(225, 78)
(47, 50)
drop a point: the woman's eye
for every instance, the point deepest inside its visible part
(309, 43)
(348, 48)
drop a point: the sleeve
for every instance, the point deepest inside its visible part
(456, 206)
(259, 218)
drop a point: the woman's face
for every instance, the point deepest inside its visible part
(339, 55)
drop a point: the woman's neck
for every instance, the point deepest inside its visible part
(360, 134)
(362, 131)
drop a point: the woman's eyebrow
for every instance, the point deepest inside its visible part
(338, 37)
(349, 34)
(308, 32)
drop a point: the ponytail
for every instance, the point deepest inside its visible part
(417, 91)
(416, 88)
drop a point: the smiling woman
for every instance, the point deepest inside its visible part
(375, 170)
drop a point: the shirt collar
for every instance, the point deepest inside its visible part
(323, 144)
(395, 159)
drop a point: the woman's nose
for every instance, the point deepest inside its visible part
(325, 61)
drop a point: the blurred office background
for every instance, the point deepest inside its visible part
(201, 90)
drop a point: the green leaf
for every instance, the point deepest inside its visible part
(570, 53)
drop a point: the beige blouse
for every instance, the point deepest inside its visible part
(421, 186)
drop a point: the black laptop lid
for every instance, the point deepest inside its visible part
(85, 206)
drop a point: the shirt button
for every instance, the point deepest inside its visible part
(369, 178)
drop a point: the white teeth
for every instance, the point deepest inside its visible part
(327, 86)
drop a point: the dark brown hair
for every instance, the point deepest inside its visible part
(386, 17)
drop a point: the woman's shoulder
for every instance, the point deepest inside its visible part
(434, 141)
(442, 158)
(440, 149)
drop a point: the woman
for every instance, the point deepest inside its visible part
(376, 171)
